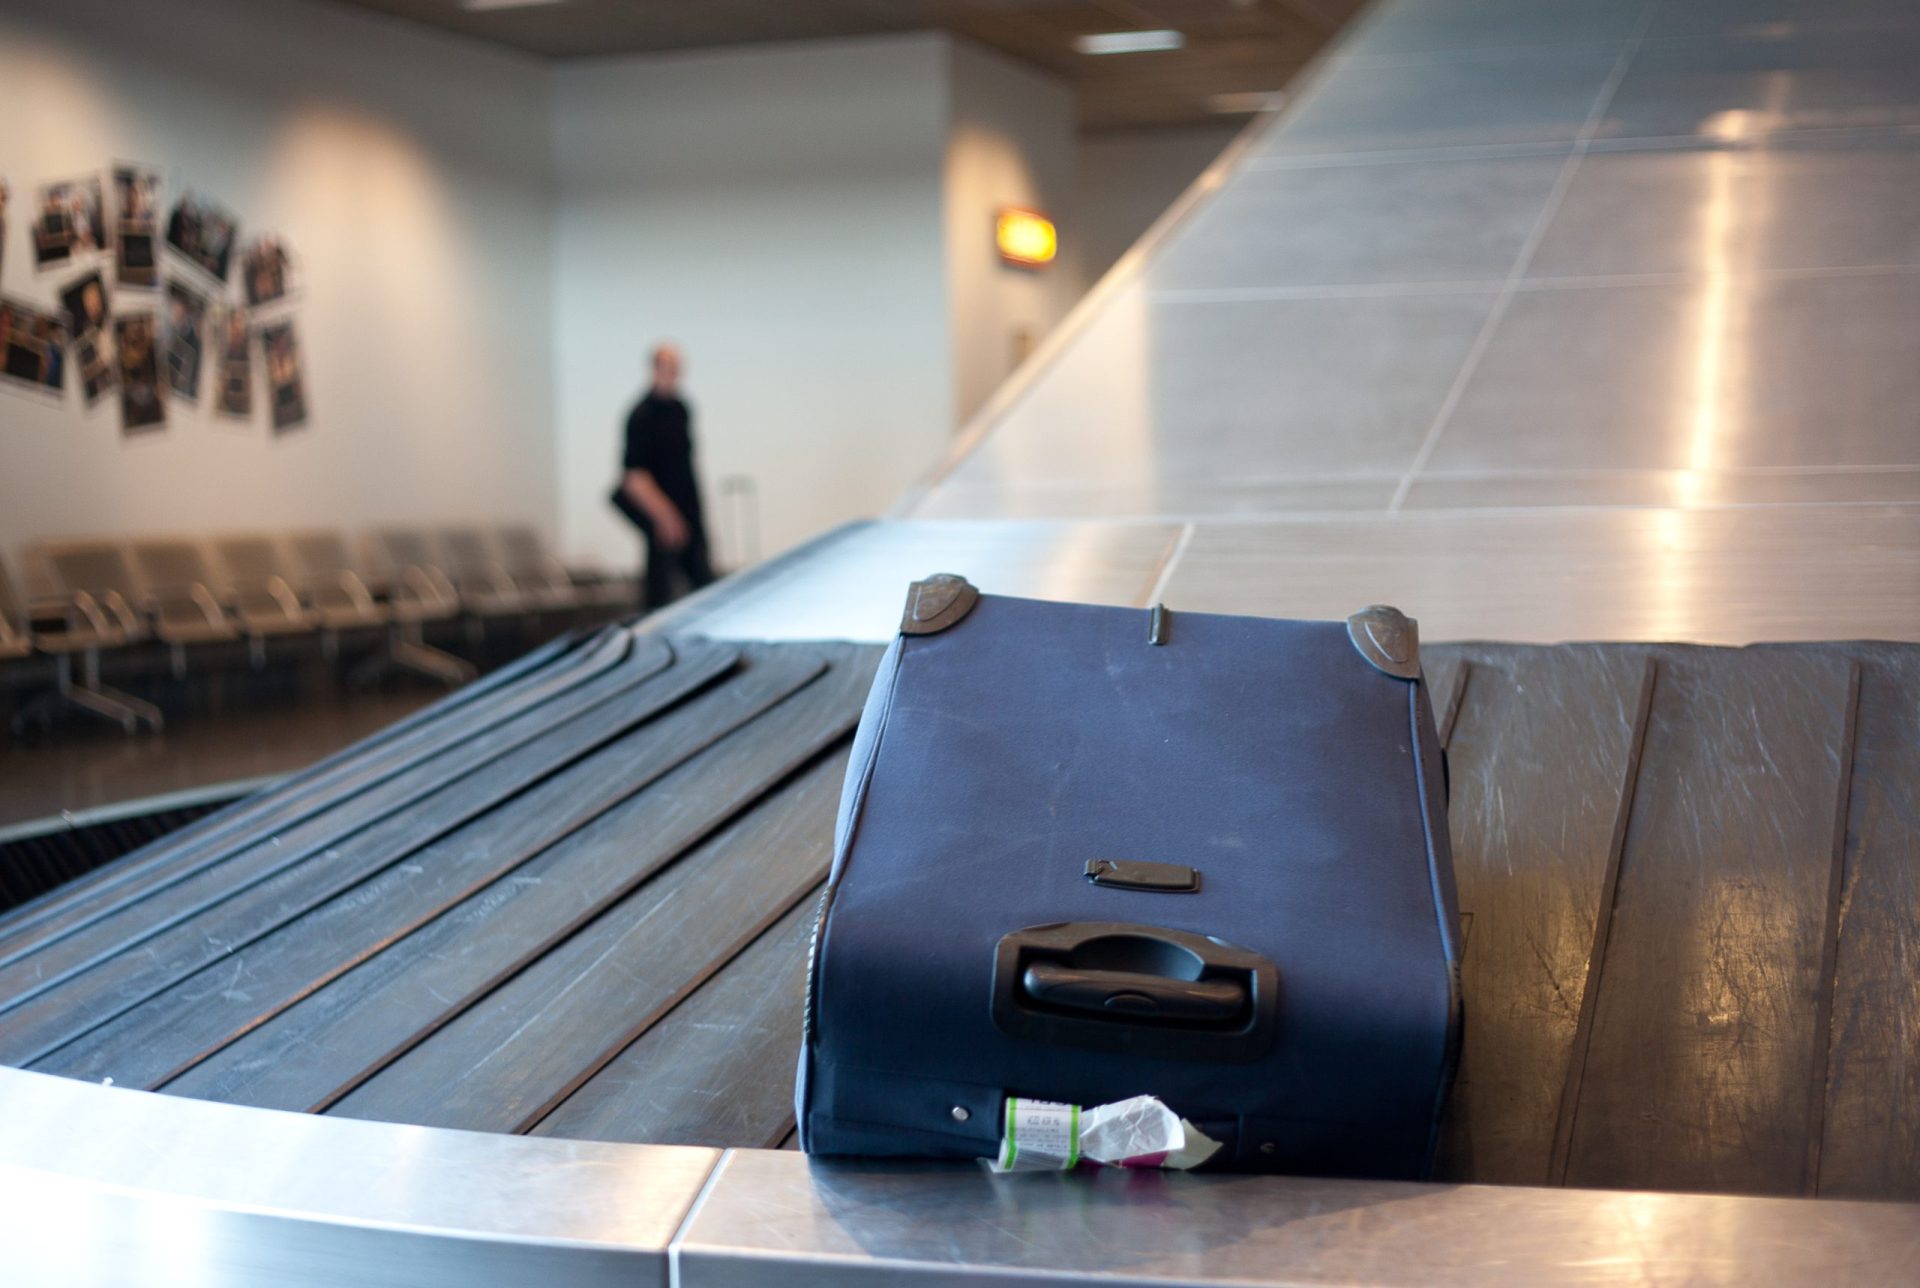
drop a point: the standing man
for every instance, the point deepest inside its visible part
(658, 490)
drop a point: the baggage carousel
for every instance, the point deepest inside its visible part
(1578, 321)
(524, 976)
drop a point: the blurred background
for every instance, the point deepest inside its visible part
(497, 208)
(486, 215)
(324, 322)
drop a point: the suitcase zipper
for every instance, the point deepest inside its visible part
(966, 593)
(813, 968)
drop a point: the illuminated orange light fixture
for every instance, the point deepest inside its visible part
(1025, 237)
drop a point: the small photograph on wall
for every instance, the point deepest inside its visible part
(184, 339)
(203, 233)
(136, 336)
(136, 227)
(233, 392)
(89, 320)
(266, 272)
(286, 390)
(32, 354)
(94, 366)
(87, 304)
(67, 227)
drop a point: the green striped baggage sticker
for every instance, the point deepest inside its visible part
(1039, 1136)
(1049, 1136)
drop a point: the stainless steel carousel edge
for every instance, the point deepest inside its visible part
(103, 1186)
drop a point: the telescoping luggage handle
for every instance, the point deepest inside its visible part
(1144, 990)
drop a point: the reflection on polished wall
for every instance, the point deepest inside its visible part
(1600, 315)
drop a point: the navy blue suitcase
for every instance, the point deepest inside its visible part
(1089, 853)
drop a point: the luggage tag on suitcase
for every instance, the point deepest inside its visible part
(1045, 1136)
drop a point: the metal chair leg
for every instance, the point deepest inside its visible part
(407, 650)
(89, 695)
(433, 663)
(101, 705)
(411, 651)
(97, 696)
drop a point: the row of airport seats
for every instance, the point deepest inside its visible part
(85, 598)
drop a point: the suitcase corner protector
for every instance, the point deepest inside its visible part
(1388, 639)
(936, 603)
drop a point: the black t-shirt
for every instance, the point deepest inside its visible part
(660, 441)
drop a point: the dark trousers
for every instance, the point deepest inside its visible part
(666, 568)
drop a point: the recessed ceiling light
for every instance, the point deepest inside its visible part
(485, 6)
(1129, 42)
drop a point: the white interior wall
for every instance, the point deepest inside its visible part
(1125, 179)
(777, 211)
(490, 245)
(409, 172)
(1011, 143)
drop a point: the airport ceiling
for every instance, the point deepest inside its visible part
(1232, 47)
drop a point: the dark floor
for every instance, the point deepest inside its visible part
(84, 766)
(226, 720)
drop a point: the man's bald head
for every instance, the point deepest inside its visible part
(666, 368)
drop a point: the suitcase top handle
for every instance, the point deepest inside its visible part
(1382, 634)
(1143, 990)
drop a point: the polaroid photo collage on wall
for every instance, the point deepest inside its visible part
(270, 282)
(154, 303)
